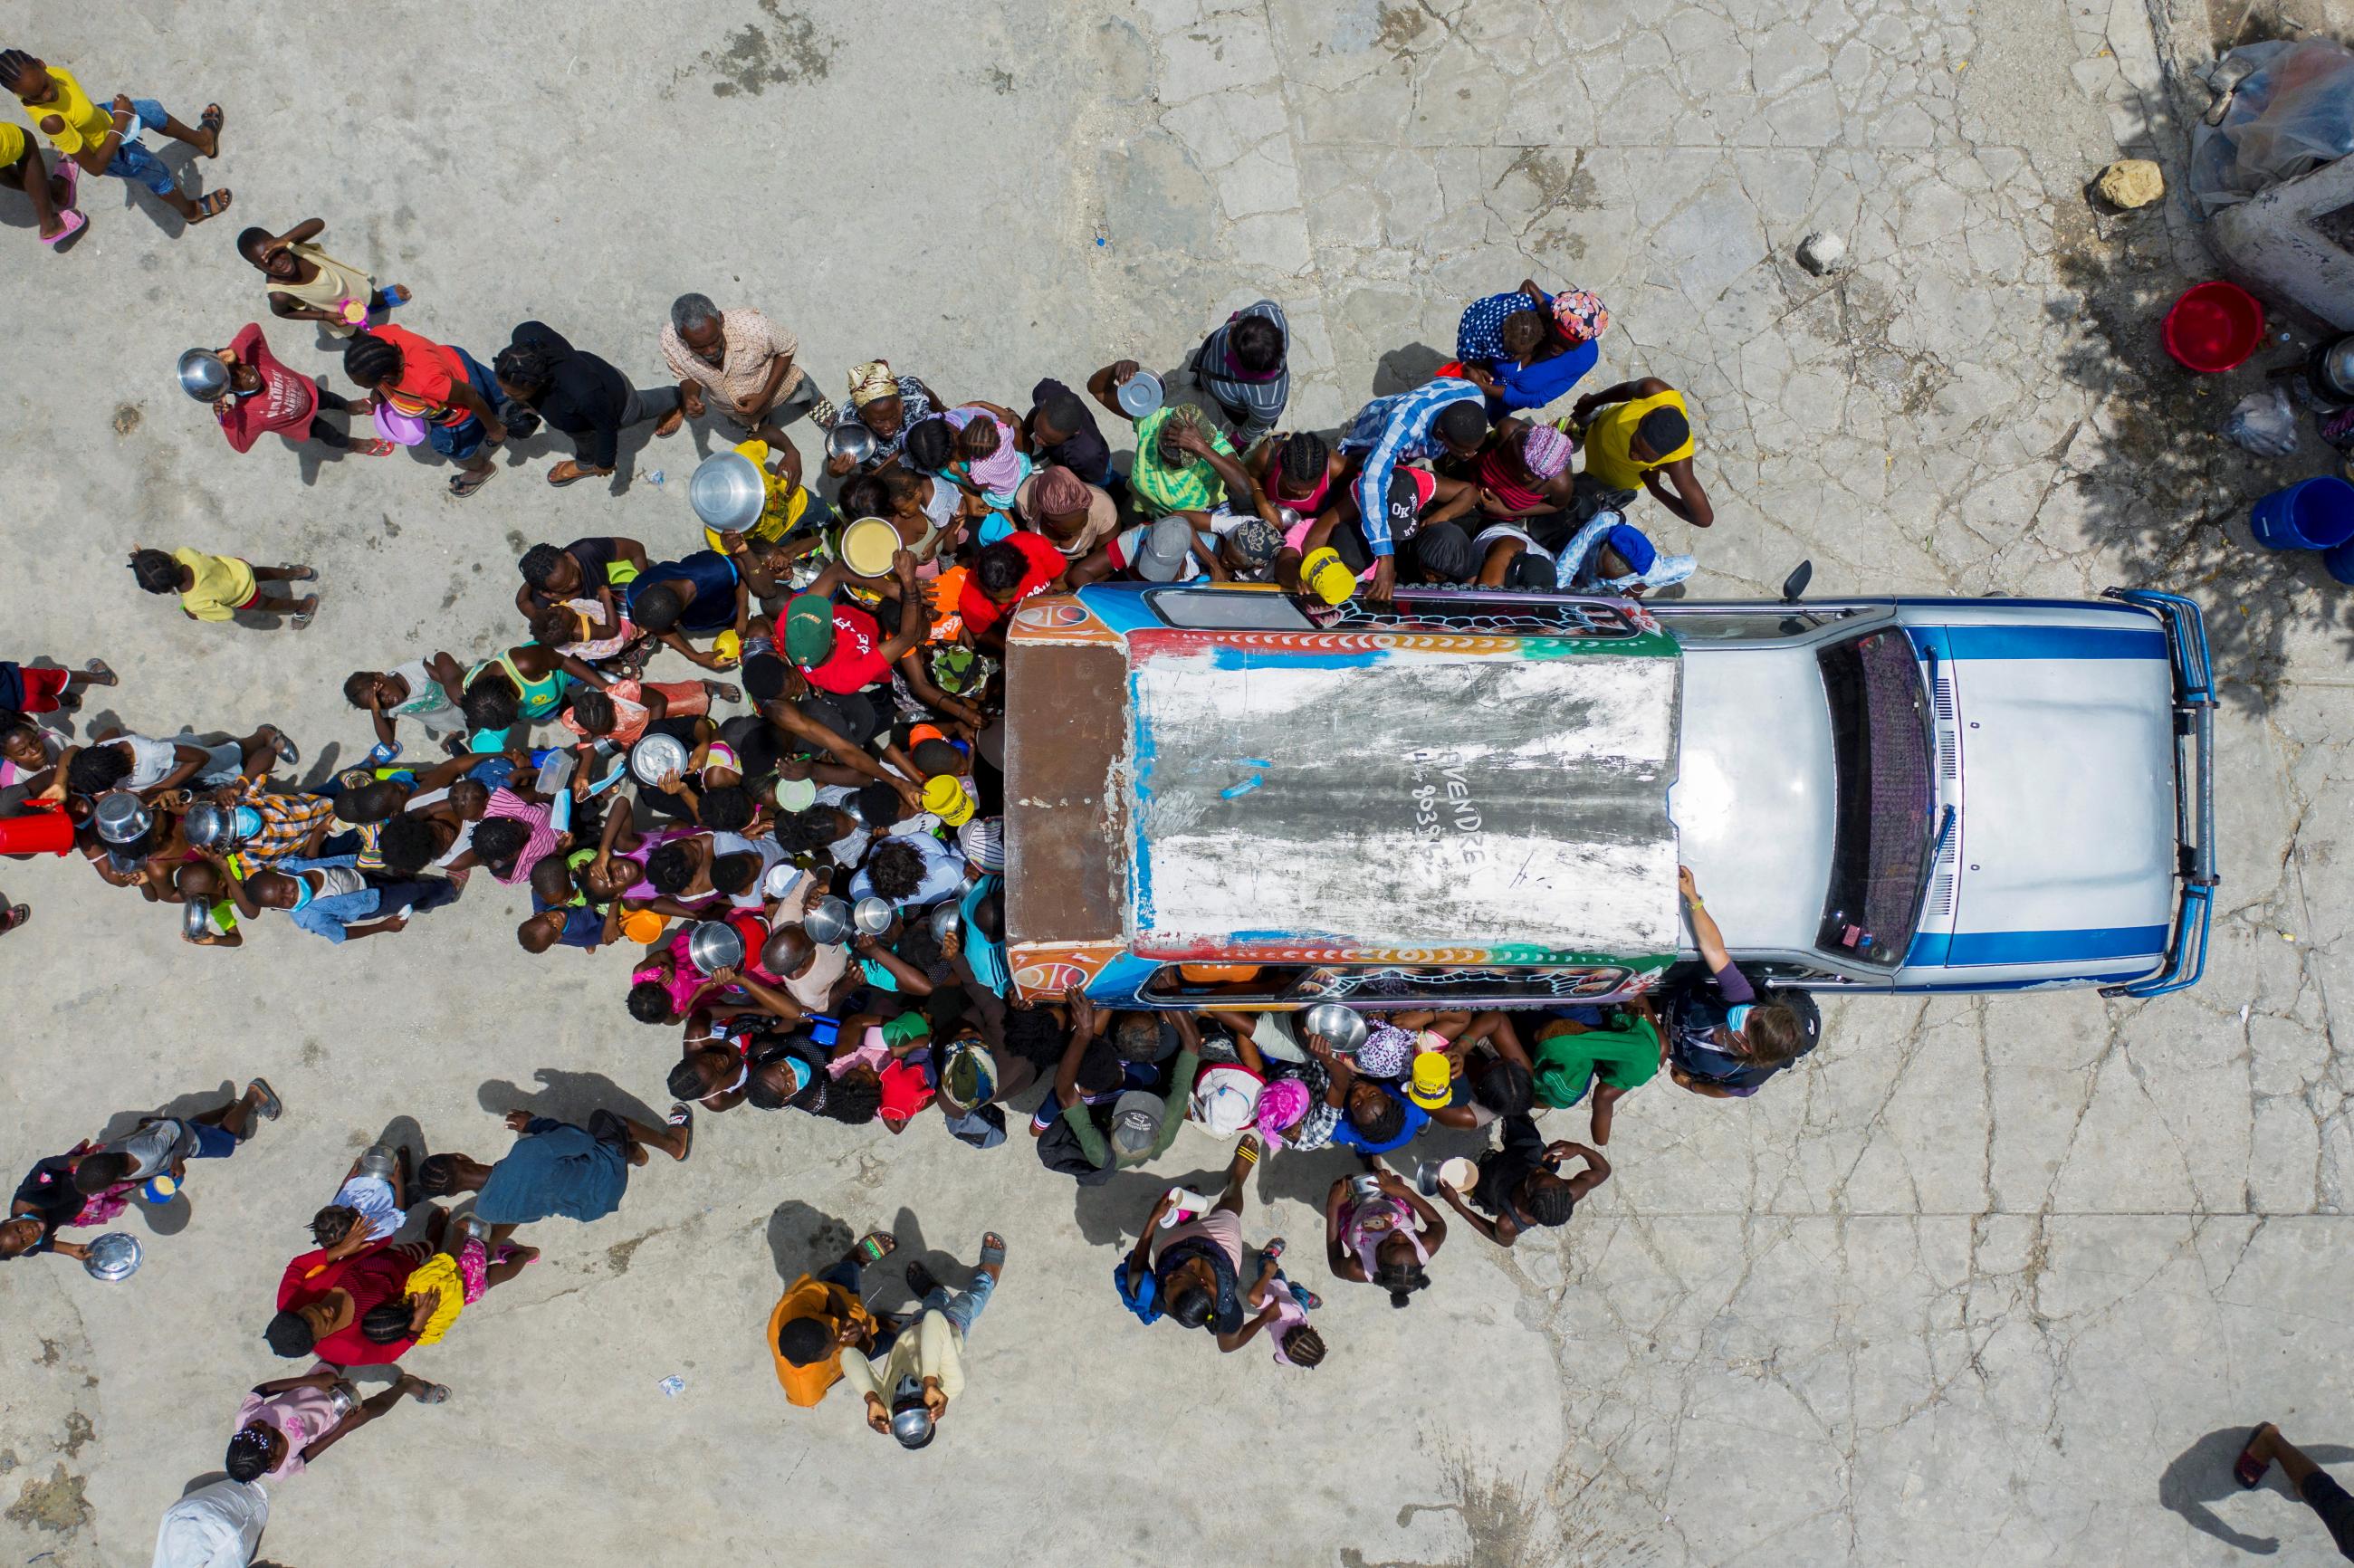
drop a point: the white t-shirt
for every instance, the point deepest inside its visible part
(152, 761)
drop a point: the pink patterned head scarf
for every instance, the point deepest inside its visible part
(1579, 316)
(1545, 450)
(1281, 1103)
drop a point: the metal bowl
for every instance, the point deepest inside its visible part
(727, 492)
(1289, 517)
(714, 945)
(112, 1256)
(1343, 1028)
(828, 920)
(122, 818)
(203, 376)
(207, 825)
(1140, 395)
(850, 438)
(655, 755)
(868, 546)
(873, 916)
(945, 920)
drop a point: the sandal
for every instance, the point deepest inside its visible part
(465, 484)
(268, 1102)
(212, 206)
(1273, 1249)
(100, 676)
(1308, 1300)
(297, 573)
(285, 749)
(395, 294)
(433, 1393)
(377, 447)
(993, 1248)
(921, 1280)
(2244, 1470)
(18, 915)
(560, 480)
(212, 120)
(70, 223)
(726, 691)
(303, 618)
(682, 1115)
(1250, 1150)
(876, 1245)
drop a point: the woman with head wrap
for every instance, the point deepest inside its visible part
(1076, 515)
(887, 403)
(1528, 347)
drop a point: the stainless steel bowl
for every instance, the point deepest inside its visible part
(207, 825)
(872, 916)
(380, 1161)
(714, 945)
(2337, 365)
(122, 818)
(1289, 517)
(655, 755)
(945, 920)
(1140, 394)
(203, 376)
(112, 1256)
(850, 438)
(1343, 1028)
(727, 492)
(192, 917)
(828, 920)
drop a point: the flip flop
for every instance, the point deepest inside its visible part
(575, 477)
(270, 1107)
(683, 1115)
(433, 1393)
(212, 120)
(70, 172)
(99, 674)
(876, 1245)
(2244, 1470)
(298, 572)
(465, 484)
(379, 448)
(287, 751)
(303, 617)
(74, 223)
(993, 1248)
(921, 1280)
(211, 205)
(729, 692)
(18, 915)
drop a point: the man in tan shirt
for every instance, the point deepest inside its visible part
(908, 1391)
(737, 362)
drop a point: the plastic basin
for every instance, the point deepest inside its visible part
(2213, 327)
(2311, 514)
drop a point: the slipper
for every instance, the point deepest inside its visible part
(74, 223)
(297, 573)
(286, 750)
(465, 484)
(433, 1393)
(670, 423)
(99, 674)
(212, 120)
(508, 1249)
(379, 448)
(212, 206)
(2244, 1470)
(728, 693)
(271, 1107)
(876, 1245)
(993, 1248)
(1249, 1150)
(1308, 1300)
(18, 915)
(395, 294)
(70, 172)
(682, 1115)
(575, 477)
(1273, 1249)
(921, 1280)
(303, 617)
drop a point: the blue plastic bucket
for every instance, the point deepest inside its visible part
(2339, 562)
(2311, 514)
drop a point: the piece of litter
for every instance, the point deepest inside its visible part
(2244, 1012)
(672, 1385)
(656, 476)
(2288, 935)
(1245, 787)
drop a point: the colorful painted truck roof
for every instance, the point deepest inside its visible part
(1204, 775)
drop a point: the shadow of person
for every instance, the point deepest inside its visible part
(199, 1482)
(2201, 1474)
(1403, 369)
(322, 768)
(805, 1240)
(564, 1096)
(1108, 1213)
(403, 1133)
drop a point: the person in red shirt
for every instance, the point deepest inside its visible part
(254, 395)
(440, 383)
(1008, 572)
(330, 1301)
(840, 647)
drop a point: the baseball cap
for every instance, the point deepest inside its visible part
(1226, 1099)
(1433, 1080)
(1160, 551)
(1322, 574)
(809, 629)
(1407, 492)
(946, 799)
(1136, 1118)
(967, 1080)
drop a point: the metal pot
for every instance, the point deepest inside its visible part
(655, 755)
(192, 917)
(380, 1162)
(2330, 369)
(112, 1256)
(727, 492)
(122, 818)
(714, 945)
(209, 826)
(850, 438)
(1343, 1028)
(945, 920)
(828, 920)
(872, 916)
(1140, 395)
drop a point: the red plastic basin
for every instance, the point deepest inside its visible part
(2213, 327)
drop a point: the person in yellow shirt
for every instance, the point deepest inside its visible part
(52, 196)
(306, 285)
(821, 1315)
(217, 587)
(1638, 435)
(106, 141)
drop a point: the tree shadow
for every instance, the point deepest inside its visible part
(1406, 368)
(565, 1097)
(2201, 1474)
(2168, 499)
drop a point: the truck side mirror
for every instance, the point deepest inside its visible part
(1795, 585)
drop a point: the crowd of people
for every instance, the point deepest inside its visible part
(800, 840)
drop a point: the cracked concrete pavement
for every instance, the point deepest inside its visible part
(1984, 1281)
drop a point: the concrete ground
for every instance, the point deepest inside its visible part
(1984, 1282)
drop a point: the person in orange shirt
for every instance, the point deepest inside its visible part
(819, 1315)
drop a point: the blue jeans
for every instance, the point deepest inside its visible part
(463, 440)
(134, 161)
(962, 1306)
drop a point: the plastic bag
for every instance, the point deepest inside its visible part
(2294, 113)
(2265, 423)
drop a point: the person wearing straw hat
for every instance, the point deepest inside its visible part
(887, 403)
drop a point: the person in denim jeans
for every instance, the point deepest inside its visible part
(908, 1390)
(105, 140)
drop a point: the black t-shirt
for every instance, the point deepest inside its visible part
(1083, 451)
(49, 1192)
(1503, 1168)
(596, 558)
(586, 396)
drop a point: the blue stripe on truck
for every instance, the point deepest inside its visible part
(1967, 948)
(2057, 642)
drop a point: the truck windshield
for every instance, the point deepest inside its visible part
(1885, 798)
